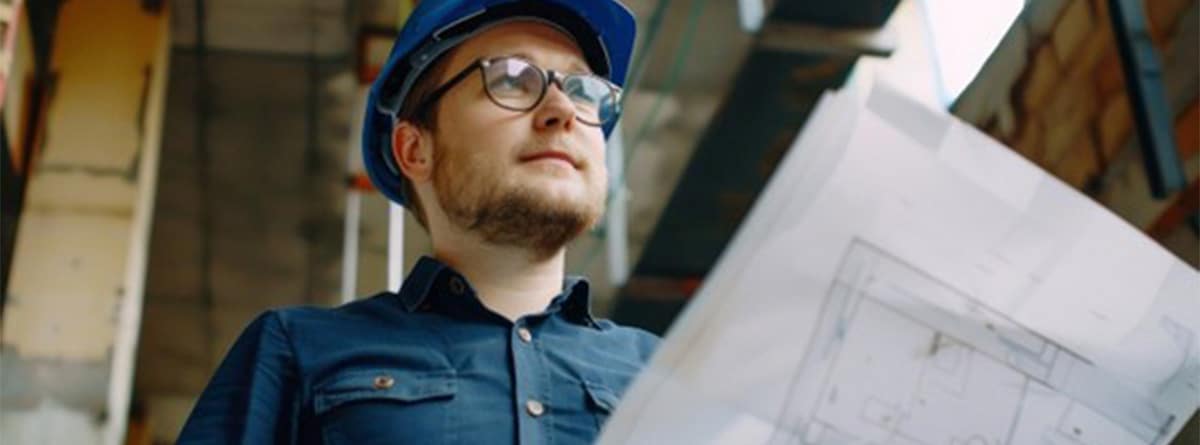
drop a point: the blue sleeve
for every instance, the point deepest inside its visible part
(648, 344)
(252, 397)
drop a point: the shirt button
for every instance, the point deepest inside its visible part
(457, 286)
(384, 382)
(525, 335)
(535, 408)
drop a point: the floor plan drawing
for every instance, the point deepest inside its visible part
(888, 289)
(948, 353)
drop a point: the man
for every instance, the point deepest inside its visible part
(489, 124)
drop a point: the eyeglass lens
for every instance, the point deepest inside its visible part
(518, 85)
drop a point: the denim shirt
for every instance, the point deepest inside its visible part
(429, 365)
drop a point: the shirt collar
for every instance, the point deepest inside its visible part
(421, 284)
(575, 301)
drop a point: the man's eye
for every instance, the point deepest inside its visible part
(506, 83)
(523, 82)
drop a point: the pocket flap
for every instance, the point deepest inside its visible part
(601, 396)
(383, 383)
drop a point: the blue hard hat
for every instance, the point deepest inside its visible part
(604, 30)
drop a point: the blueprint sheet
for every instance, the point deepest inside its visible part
(904, 279)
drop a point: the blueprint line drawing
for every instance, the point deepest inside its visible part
(884, 290)
(950, 353)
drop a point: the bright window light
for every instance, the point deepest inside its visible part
(964, 34)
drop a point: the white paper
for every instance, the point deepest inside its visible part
(904, 279)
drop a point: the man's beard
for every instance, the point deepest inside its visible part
(505, 215)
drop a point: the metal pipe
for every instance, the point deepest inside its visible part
(751, 14)
(1147, 97)
(353, 218)
(616, 217)
(203, 182)
(350, 244)
(395, 261)
(311, 159)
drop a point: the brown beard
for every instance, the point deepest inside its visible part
(507, 216)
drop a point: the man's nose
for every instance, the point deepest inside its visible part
(555, 111)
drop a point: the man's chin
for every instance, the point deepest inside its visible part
(559, 203)
(572, 187)
(561, 198)
(541, 220)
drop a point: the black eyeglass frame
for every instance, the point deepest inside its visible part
(548, 77)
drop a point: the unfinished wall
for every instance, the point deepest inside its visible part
(248, 217)
(75, 290)
(1054, 91)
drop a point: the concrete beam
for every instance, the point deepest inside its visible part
(813, 39)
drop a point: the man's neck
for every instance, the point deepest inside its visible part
(508, 280)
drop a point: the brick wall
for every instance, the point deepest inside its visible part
(1054, 91)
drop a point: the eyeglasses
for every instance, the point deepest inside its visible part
(516, 84)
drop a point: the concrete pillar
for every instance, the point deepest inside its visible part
(70, 323)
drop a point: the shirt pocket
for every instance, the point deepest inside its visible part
(385, 405)
(601, 401)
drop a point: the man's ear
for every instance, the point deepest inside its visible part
(413, 151)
